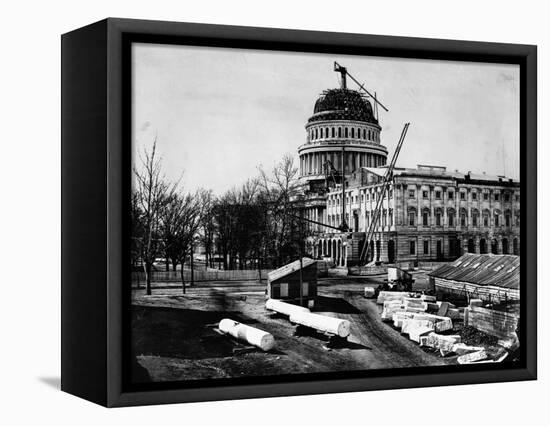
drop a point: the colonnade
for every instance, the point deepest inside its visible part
(312, 163)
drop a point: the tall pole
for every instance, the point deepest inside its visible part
(301, 241)
(344, 225)
(192, 268)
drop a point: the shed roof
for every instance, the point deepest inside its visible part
(290, 268)
(500, 270)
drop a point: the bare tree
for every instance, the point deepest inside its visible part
(151, 193)
(207, 224)
(187, 213)
(279, 191)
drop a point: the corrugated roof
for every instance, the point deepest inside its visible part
(500, 270)
(290, 268)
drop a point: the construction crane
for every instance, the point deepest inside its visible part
(344, 71)
(386, 180)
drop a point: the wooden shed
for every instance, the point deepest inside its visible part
(284, 283)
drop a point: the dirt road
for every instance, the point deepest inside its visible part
(174, 335)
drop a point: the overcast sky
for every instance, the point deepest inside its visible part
(218, 113)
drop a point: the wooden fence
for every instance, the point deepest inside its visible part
(200, 275)
(138, 277)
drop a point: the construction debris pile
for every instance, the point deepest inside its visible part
(429, 323)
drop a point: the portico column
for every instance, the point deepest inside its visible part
(418, 205)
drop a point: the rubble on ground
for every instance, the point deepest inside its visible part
(430, 322)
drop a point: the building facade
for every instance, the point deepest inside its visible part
(428, 213)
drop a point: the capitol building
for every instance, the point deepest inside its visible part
(428, 213)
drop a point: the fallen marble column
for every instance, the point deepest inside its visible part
(283, 307)
(251, 335)
(336, 326)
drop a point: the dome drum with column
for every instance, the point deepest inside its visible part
(342, 119)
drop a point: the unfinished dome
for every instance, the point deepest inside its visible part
(343, 104)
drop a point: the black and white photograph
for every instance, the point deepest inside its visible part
(297, 214)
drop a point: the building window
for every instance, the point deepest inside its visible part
(508, 219)
(474, 196)
(339, 132)
(438, 218)
(462, 219)
(462, 195)
(364, 134)
(352, 132)
(451, 218)
(486, 221)
(517, 198)
(507, 197)
(391, 217)
(346, 132)
(425, 218)
(485, 196)
(424, 194)
(411, 193)
(412, 216)
(333, 131)
(426, 247)
(497, 196)
(438, 195)
(474, 220)
(412, 248)
(450, 195)
(496, 219)
(367, 196)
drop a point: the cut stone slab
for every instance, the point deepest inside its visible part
(412, 324)
(511, 342)
(472, 357)
(390, 307)
(424, 340)
(432, 307)
(369, 292)
(443, 308)
(441, 323)
(439, 341)
(384, 296)
(454, 313)
(417, 333)
(428, 298)
(463, 348)
(415, 305)
(399, 316)
(444, 325)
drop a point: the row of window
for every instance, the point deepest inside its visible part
(462, 195)
(333, 132)
(455, 249)
(463, 218)
(335, 199)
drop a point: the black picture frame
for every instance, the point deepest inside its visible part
(95, 183)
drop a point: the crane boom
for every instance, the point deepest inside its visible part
(380, 199)
(342, 70)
